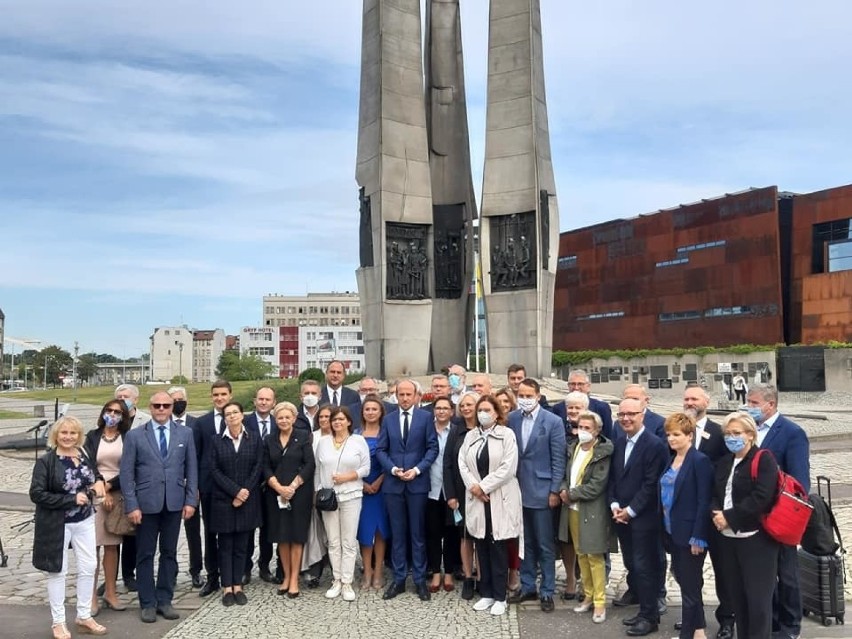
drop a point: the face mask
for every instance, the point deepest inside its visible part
(391, 399)
(584, 436)
(310, 400)
(179, 407)
(756, 413)
(111, 420)
(455, 381)
(129, 403)
(527, 404)
(485, 419)
(735, 443)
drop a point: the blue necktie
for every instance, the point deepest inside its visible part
(164, 449)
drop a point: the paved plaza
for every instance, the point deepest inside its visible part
(23, 597)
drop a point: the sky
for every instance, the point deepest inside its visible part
(167, 163)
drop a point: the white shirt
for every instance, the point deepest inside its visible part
(699, 431)
(580, 457)
(729, 503)
(235, 440)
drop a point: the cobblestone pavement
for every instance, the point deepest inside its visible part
(269, 615)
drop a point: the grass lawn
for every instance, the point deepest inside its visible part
(198, 394)
(10, 414)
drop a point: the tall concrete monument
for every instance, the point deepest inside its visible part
(519, 230)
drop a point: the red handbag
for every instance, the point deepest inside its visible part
(788, 518)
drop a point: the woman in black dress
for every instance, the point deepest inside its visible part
(235, 505)
(288, 466)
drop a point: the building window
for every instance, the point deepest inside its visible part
(824, 235)
(727, 311)
(840, 256)
(682, 315)
(595, 316)
(674, 262)
(701, 246)
(566, 262)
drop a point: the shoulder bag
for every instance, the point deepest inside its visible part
(326, 498)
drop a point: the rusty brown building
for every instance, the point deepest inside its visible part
(753, 267)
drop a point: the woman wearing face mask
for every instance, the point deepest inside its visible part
(685, 490)
(454, 489)
(585, 511)
(373, 525)
(749, 556)
(488, 461)
(104, 446)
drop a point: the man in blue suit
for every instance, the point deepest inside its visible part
(789, 444)
(654, 422)
(541, 469)
(159, 484)
(638, 461)
(578, 380)
(406, 448)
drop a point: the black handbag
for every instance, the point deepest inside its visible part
(326, 498)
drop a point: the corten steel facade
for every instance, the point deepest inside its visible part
(820, 265)
(704, 274)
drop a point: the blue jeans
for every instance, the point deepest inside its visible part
(539, 552)
(787, 599)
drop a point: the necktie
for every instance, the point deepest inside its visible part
(404, 426)
(164, 449)
(334, 401)
(263, 430)
(221, 424)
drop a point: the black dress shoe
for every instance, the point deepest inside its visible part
(395, 589)
(313, 582)
(627, 599)
(641, 628)
(228, 599)
(130, 584)
(241, 598)
(197, 581)
(167, 611)
(662, 608)
(678, 625)
(247, 579)
(547, 604)
(148, 615)
(266, 576)
(725, 631)
(423, 591)
(522, 597)
(467, 589)
(210, 586)
(631, 621)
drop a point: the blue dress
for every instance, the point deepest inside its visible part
(374, 515)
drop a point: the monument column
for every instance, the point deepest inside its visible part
(453, 199)
(395, 279)
(519, 230)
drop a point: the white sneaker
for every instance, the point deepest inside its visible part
(348, 593)
(483, 604)
(334, 591)
(498, 608)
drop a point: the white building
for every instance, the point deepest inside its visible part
(263, 342)
(313, 309)
(171, 353)
(207, 348)
(318, 346)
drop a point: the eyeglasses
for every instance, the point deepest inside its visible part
(112, 411)
(161, 405)
(623, 415)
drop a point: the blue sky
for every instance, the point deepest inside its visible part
(172, 162)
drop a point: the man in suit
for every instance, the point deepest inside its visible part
(209, 426)
(789, 445)
(541, 469)
(638, 462)
(652, 421)
(578, 380)
(260, 422)
(191, 526)
(309, 395)
(406, 448)
(335, 393)
(159, 484)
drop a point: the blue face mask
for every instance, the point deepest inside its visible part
(756, 413)
(111, 420)
(735, 443)
(455, 381)
(129, 403)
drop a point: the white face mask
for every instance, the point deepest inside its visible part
(584, 436)
(486, 420)
(310, 400)
(527, 404)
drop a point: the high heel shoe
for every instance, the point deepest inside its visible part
(89, 627)
(60, 631)
(119, 607)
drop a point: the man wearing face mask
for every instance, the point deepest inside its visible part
(309, 394)
(191, 526)
(789, 445)
(541, 467)
(455, 375)
(129, 394)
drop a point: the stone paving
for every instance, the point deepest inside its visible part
(269, 615)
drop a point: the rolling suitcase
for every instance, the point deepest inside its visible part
(821, 577)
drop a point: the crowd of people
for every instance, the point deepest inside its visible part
(485, 487)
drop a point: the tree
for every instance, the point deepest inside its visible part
(236, 368)
(50, 363)
(315, 374)
(179, 379)
(87, 366)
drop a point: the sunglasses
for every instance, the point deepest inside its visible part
(161, 405)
